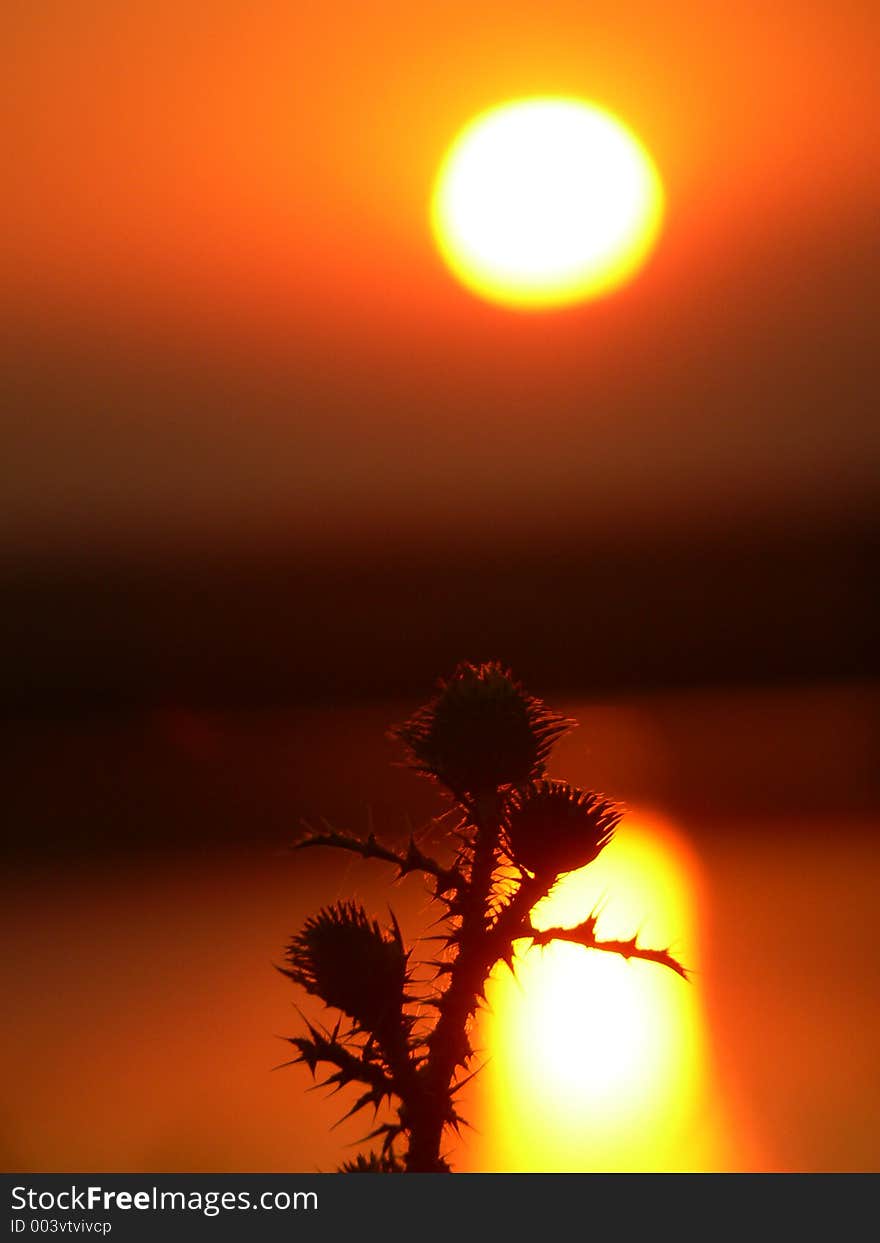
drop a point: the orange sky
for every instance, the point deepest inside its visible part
(227, 315)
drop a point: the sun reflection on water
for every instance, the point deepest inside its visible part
(595, 1063)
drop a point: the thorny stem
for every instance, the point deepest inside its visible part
(414, 860)
(584, 934)
(404, 1074)
(448, 1045)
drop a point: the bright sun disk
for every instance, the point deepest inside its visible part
(546, 201)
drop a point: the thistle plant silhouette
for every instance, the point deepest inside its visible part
(403, 1032)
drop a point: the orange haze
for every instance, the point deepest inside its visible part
(228, 317)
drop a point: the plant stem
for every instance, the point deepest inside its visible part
(448, 1045)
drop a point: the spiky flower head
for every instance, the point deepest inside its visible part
(482, 731)
(346, 959)
(373, 1163)
(552, 827)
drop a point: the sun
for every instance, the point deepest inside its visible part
(546, 201)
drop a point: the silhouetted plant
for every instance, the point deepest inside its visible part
(486, 741)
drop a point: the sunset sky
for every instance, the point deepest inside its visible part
(228, 322)
(268, 469)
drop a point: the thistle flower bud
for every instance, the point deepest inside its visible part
(552, 827)
(482, 731)
(373, 1163)
(347, 960)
